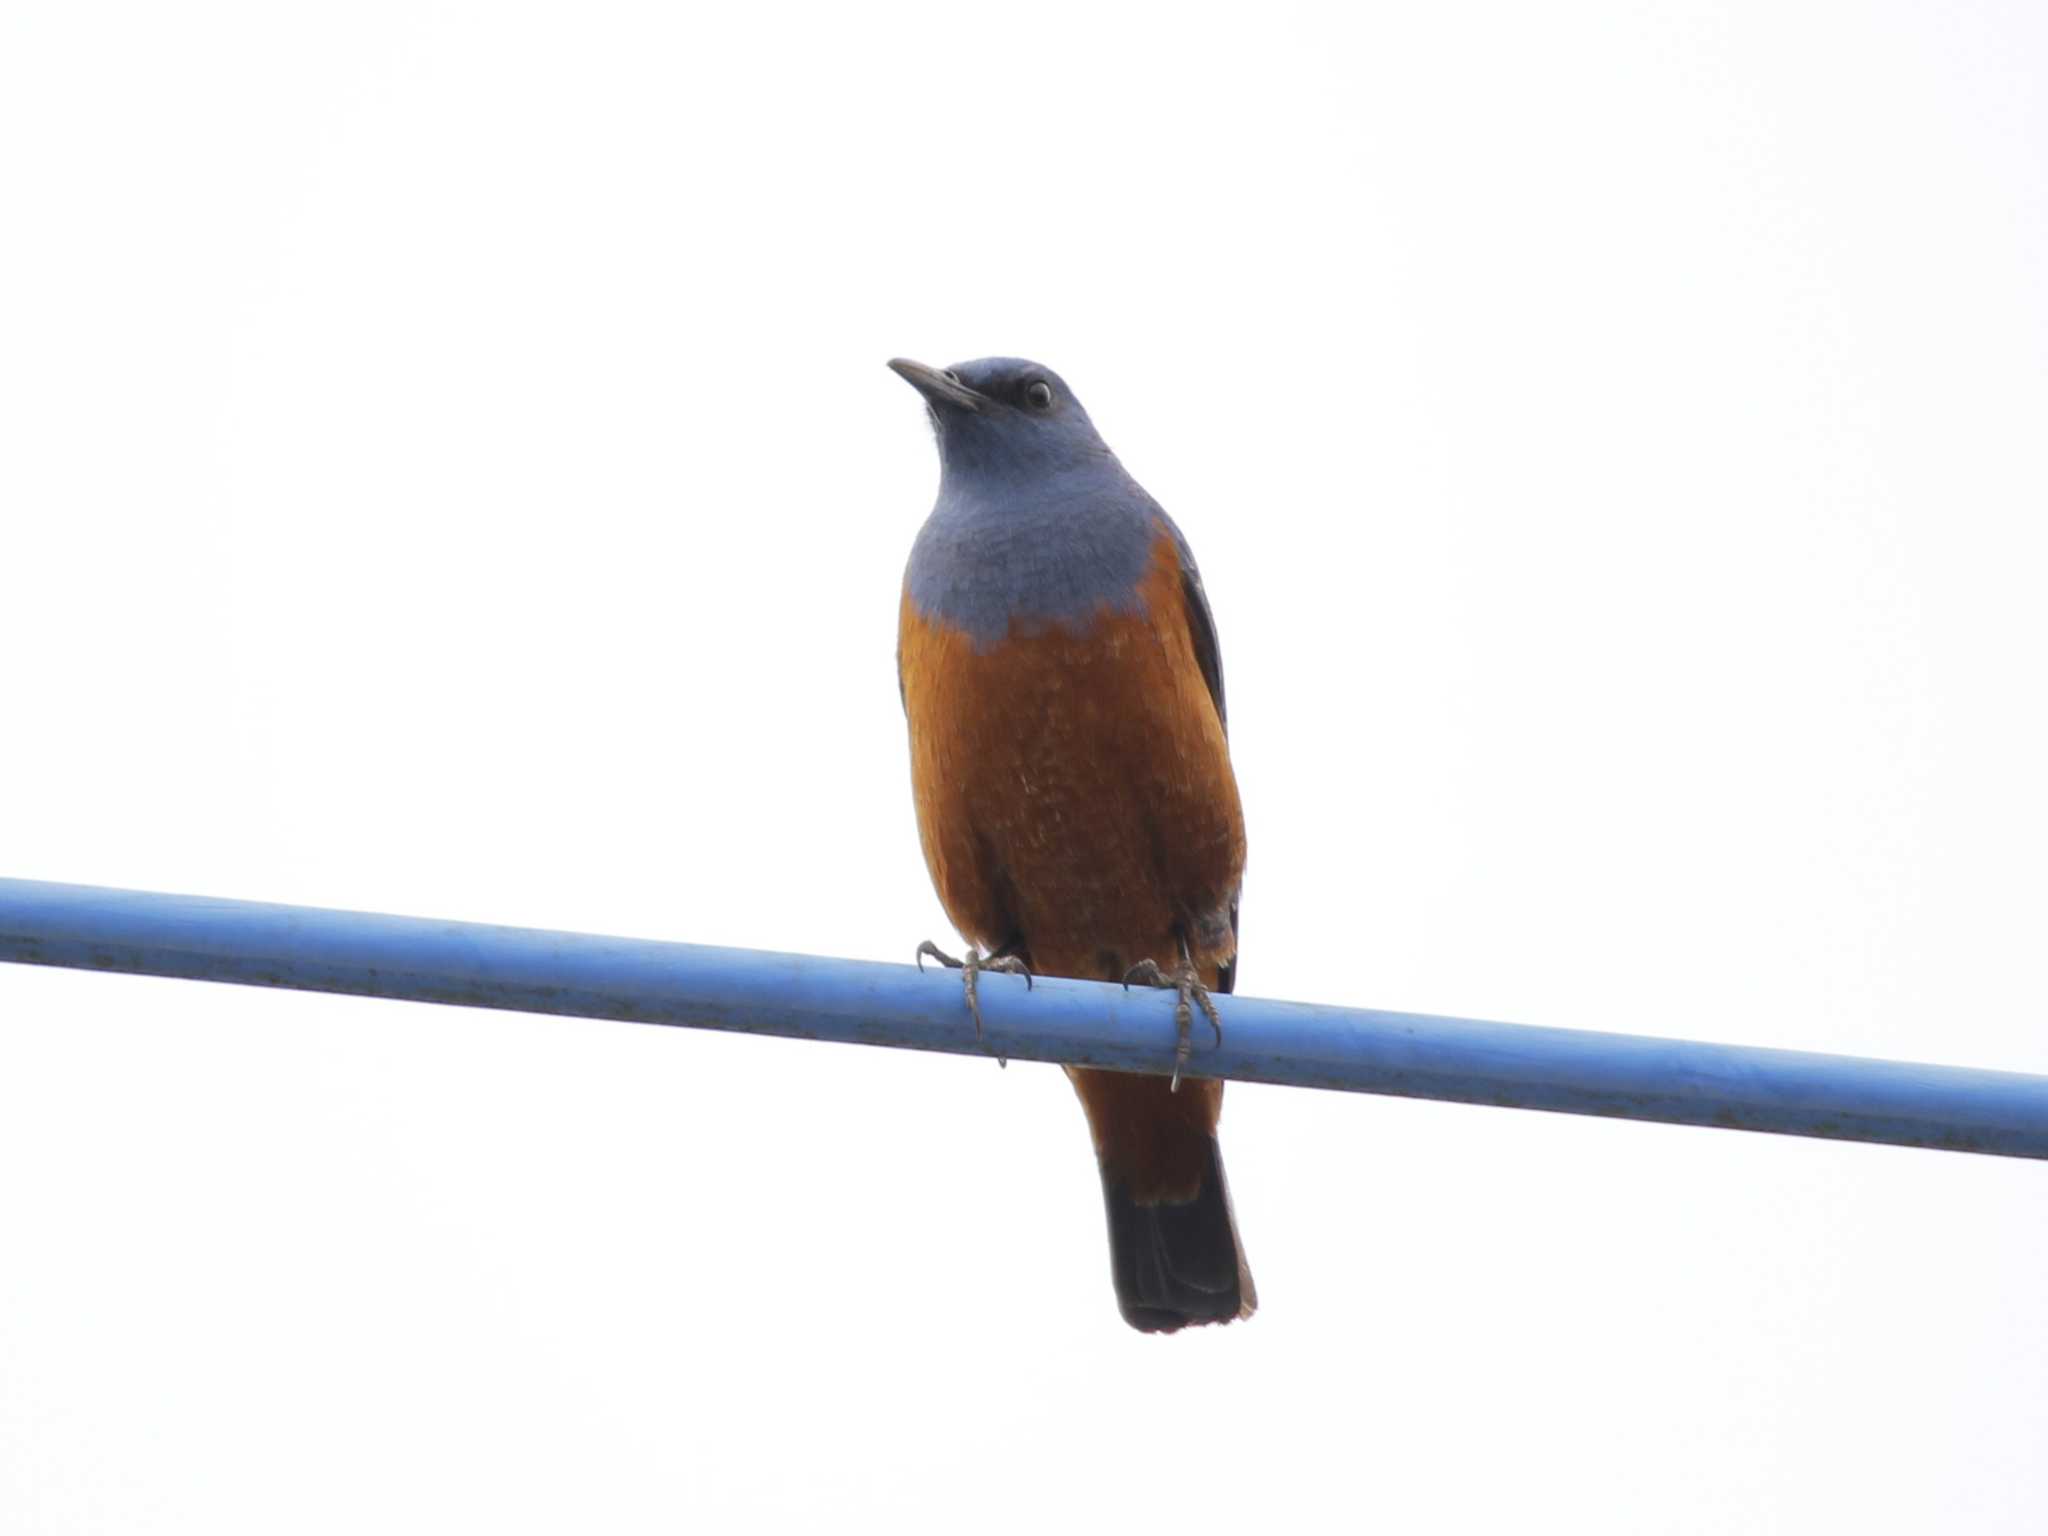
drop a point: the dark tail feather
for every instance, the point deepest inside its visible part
(1178, 1264)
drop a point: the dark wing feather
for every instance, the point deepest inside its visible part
(1209, 657)
(1202, 627)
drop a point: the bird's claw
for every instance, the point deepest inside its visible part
(970, 966)
(1190, 993)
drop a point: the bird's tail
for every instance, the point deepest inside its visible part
(1178, 1262)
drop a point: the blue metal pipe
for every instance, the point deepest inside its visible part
(530, 970)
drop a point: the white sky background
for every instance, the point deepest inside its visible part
(449, 469)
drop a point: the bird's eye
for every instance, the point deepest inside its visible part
(1039, 394)
(949, 373)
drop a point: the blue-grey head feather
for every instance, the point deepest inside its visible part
(1036, 522)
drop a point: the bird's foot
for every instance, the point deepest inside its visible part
(1191, 993)
(970, 966)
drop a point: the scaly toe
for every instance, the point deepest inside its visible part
(1009, 965)
(1209, 1009)
(938, 954)
(970, 966)
(1146, 973)
(1189, 994)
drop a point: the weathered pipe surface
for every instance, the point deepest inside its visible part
(1683, 1082)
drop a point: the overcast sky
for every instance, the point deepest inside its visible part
(447, 467)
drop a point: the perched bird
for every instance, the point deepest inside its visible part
(1059, 668)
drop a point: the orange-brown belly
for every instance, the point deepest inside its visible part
(1073, 788)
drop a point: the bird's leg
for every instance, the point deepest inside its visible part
(970, 966)
(1186, 982)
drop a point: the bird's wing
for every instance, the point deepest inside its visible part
(1202, 627)
(1209, 657)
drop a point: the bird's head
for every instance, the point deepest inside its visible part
(1004, 417)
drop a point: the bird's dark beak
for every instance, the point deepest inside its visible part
(935, 386)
